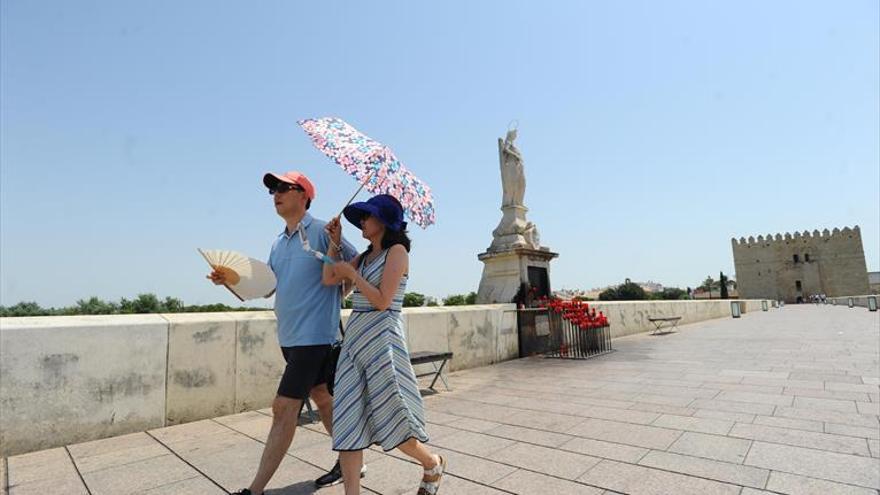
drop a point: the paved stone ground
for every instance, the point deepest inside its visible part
(778, 402)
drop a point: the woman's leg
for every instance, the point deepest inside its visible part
(417, 450)
(351, 462)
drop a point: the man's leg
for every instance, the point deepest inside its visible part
(285, 415)
(324, 401)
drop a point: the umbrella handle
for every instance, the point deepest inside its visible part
(364, 183)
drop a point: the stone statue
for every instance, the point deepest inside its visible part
(514, 231)
(513, 179)
(516, 245)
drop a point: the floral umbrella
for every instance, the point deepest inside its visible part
(373, 164)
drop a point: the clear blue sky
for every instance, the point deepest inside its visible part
(653, 132)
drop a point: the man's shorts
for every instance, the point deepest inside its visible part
(307, 366)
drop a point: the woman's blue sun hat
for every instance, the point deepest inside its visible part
(384, 207)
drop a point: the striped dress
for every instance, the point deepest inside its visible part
(376, 398)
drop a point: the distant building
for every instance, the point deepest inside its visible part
(651, 286)
(792, 267)
(874, 282)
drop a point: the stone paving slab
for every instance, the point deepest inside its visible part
(786, 401)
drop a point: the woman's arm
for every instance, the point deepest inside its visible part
(333, 233)
(395, 266)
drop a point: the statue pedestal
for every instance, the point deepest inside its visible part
(504, 272)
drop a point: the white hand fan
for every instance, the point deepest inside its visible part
(246, 278)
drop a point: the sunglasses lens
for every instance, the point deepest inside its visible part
(283, 188)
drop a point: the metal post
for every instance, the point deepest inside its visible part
(872, 303)
(735, 309)
(851, 303)
(764, 305)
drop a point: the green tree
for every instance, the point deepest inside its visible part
(454, 300)
(707, 286)
(172, 305)
(673, 293)
(630, 291)
(413, 299)
(143, 303)
(609, 294)
(723, 283)
(431, 301)
(23, 308)
(471, 298)
(627, 291)
(95, 306)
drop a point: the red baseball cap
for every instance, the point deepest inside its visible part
(292, 177)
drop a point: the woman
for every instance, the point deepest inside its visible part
(376, 399)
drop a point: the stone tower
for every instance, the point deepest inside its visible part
(790, 267)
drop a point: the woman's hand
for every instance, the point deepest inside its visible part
(343, 270)
(334, 231)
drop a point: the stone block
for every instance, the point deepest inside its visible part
(700, 425)
(474, 468)
(801, 438)
(802, 485)
(259, 363)
(139, 476)
(715, 447)
(104, 375)
(705, 468)
(629, 434)
(529, 435)
(473, 337)
(527, 483)
(545, 460)
(606, 450)
(201, 366)
(641, 480)
(794, 424)
(473, 443)
(843, 468)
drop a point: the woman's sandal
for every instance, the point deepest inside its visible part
(431, 480)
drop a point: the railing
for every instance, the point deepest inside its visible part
(570, 341)
(547, 333)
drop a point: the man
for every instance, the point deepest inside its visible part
(308, 320)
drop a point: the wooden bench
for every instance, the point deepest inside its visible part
(424, 357)
(415, 358)
(660, 322)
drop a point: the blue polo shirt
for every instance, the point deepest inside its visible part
(307, 310)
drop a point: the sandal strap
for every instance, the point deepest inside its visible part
(431, 479)
(427, 489)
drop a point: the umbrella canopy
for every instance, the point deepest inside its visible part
(373, 164)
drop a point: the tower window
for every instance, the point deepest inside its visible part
(806, 258)
(797, 285)
(795, 258)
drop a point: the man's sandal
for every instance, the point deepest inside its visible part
(431, 480)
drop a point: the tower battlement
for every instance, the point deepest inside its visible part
(788, 236)
(793, 265)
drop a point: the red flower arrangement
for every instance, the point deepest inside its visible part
(578, 313)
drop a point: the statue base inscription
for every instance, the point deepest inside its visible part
(505, 272)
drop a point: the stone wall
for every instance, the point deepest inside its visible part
(76, 378)
(832, 263)
(631, 317)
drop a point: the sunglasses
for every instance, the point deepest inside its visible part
(283, 187)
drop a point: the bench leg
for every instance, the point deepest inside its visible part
(439, 374)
